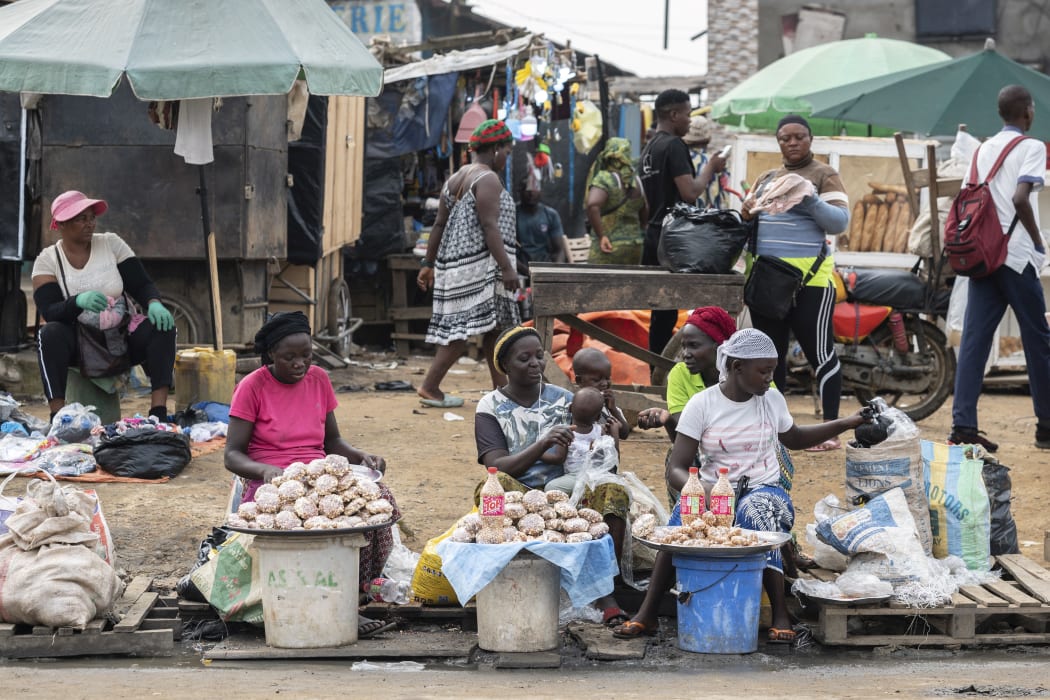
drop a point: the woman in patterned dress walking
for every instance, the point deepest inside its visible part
(470, 262)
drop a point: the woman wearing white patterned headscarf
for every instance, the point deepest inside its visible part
(737, 424)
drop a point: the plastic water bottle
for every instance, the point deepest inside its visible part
(387, 590)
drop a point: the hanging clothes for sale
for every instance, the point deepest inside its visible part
(193, 134)
(409, 115)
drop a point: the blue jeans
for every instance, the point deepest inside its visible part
(986, 303)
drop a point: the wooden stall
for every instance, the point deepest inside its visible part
(322, 288)
(561, 291)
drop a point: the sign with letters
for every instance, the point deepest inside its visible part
(398, 19)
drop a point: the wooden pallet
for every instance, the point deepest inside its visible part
(1015, 610)
(142, 623)
(465, 616)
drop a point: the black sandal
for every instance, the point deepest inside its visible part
(368, 628)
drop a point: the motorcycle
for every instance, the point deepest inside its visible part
(886, 343)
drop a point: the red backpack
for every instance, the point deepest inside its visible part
(973, 237)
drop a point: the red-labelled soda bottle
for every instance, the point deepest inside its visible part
(691, 502)
(723, 499)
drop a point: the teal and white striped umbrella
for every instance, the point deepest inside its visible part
(181, 49)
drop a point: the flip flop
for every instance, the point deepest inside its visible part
(826, 446)
(614, 616)
(368, 628)
(779, 636)
(447, 402)
(633, 630)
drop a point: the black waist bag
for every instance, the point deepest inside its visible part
(773, 287)
(144, 453)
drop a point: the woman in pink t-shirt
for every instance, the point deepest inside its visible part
(283, 412)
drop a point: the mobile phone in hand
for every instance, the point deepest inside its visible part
(724, 153)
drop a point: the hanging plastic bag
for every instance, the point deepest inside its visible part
(144, 453)
(701, 241)
(587, 125)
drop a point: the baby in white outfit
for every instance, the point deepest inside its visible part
(587, 427)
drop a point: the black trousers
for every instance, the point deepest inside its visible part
(810, 321)
(57, 352)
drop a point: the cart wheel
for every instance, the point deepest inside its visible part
(339, 317)
(188, 324)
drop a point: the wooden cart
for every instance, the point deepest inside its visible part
(561, 291)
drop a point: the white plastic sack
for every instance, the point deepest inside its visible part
(401, 564)
(825, 556)
(880, 538)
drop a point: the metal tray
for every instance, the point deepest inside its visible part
(309, 533)
(367, 472)
(770, 540)
(873, 600)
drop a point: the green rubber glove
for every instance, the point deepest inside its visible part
(92, 301)
(160, 317)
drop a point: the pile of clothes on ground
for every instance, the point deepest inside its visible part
(77, 443)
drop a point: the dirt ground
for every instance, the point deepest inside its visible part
(433, 467)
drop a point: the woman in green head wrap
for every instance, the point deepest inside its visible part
(616, 208)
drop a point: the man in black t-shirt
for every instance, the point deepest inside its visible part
(667, 175)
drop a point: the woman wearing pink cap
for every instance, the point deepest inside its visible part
(82, 279)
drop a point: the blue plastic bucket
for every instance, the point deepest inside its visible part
(720, 613)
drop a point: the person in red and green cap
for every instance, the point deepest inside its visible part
(470, 262)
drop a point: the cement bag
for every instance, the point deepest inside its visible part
(897, 462)
(880, 538)
(229, 581)
(960, 513)
(429, 585)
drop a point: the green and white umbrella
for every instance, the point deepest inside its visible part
(181, 49)
(935, 99)
(759, 102)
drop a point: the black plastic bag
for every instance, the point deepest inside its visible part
(144, 453)
(186, 588)
(702, 241)
(1003, 532)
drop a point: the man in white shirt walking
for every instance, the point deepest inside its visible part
(1016, 284)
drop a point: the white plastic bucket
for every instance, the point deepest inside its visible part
(518, 610)
(309, 589)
